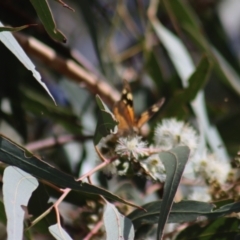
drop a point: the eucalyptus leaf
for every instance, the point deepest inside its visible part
(11, 43)
(174, 162)
(196, 82)
(184, 211)
(45, 15)
(221, 229)
(58, 232)
(13, 154)
(107, 124)
(117, 226)
(17, 189)
(188, 20)
(184, 65)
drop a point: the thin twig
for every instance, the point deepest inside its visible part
(94, 230)
(68, 67)
(53, 141)
(66, 191)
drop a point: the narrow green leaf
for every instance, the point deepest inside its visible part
(45, 15)
(221, 229)
(186, 17)
(188, 20)
(106, 122)
(174, 162)
(184, 65)
(117, 226)
(15, 29)
(196, 82)
(198, 79)
(17, 189)
(15, 155)
(184, 211)
(11, 43)
(153, 67)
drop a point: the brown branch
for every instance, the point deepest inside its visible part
(68, 68)
(94, 231)
(53, 141)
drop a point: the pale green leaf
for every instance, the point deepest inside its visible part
(17, 189)
(10, 42)
(58, 232)
(185, 67)
(117, 226)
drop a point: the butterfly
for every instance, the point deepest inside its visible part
(124, 112)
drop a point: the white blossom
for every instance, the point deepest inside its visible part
(124, 168)
(200, 193)
(171, 133)
(155, 167)
(111, 168)
(208, 166)
(131, 147)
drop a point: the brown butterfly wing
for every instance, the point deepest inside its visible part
(145, 116)
(123, 109)
(124, 112)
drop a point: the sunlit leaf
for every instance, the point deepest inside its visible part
(117, 226)
(17, 189)
(187, 19)
(59, 233)
(10, 42)
(185, 67)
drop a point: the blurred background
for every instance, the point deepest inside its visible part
(111, 40)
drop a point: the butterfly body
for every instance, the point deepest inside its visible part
(124, 112)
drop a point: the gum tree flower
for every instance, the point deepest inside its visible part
(155, 167)
(208, 166)
(171, 133)
(199, 193)
(131, 147)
